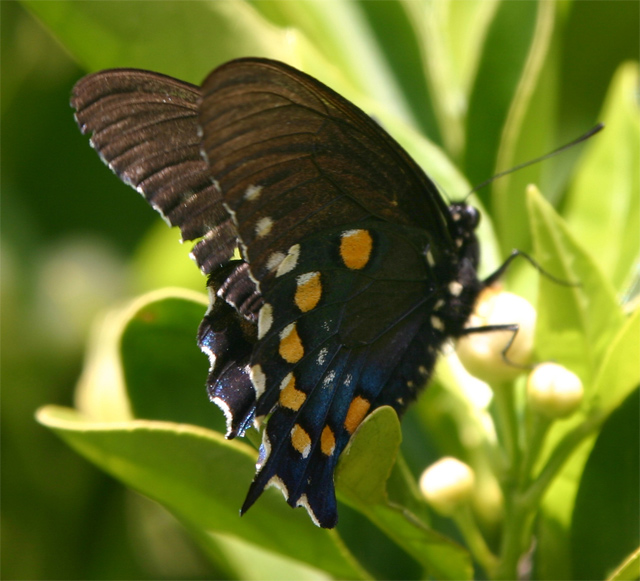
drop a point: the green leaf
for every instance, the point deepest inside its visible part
(361, 478)
(185, 40)
(603, 205)
(629, 569)
(581, 327)
(496, 83)
(201, 478)
(620, 375)
(338, 29)
(576, 324)
(607, 499)
(451, 35)
(390, 21)
(164, 370)
(366, 462)
(526, 133)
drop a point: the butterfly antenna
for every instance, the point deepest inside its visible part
(560, 149)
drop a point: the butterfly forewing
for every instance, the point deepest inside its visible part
(145, 127)
(271, 131)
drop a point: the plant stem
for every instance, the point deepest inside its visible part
(521, 503)
(533, 495)
(518, 521)
(539, 426)
(475, 541)
(507, 420)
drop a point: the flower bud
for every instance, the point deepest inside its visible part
(481, 352)
(554, 391)
(447, 484)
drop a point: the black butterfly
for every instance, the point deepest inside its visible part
(353, 271)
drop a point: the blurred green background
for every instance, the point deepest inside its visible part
(70, 232)
(75, 241)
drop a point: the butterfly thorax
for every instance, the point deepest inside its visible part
(457, 280)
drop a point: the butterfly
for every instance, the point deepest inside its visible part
(353, 270)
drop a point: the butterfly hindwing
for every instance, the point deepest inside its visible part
(339, 328)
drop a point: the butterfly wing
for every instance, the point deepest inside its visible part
(144, 126)
(335, 222)
(276, 138)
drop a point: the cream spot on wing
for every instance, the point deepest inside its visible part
(258, 379)
(304, 502)
(252, 193)
(263, 226)
(290, 261)
(265, 320)
(437, 323)
(228, 416)
(455, 288)
(274, 260)
(279, 484)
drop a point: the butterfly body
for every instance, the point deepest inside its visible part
(353, 271)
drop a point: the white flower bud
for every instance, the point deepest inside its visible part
(481, 353)
(554, 391)
(447, 484)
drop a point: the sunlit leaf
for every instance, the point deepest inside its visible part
(188, 470)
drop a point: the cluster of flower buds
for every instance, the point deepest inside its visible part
(498, 356)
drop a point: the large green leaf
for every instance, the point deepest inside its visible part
(607, 499)
(451, 36)
(338, 29)
(164, 370)
(576, 323)
(582, 327)
(603, 206)
(201, 478)
(496, 83)
(178, 39)
(527, 133)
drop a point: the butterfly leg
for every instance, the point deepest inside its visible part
(513, 327)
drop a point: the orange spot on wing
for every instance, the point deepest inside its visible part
(357, 411)
(290, 397)
(300, 440)
(308, 291)
(291, 349)
(327, 441)
(355, 248)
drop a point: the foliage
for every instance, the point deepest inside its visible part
(473, 88)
